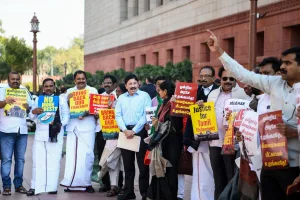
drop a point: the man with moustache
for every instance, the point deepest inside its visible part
(131, 118)
(80, 144)
(48, 143)
(13, 137)
(202, 182)
(282, 97)
(223, 165)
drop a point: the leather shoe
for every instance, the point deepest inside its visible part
(124, 196)
(31, 192)
(54, 192)
(90, 189)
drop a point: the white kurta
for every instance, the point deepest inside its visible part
(80, 150)
(46, 156)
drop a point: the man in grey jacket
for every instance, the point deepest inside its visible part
(280, 88)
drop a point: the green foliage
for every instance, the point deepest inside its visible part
(4, 70)
(17, 54)
(181, 71)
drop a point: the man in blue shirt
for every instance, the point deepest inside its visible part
(131, 118)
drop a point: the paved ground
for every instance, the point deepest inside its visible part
(68, 196)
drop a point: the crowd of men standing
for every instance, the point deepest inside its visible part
(270, 88)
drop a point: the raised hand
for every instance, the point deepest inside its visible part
(213, 43)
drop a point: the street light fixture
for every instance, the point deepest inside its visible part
(34, 29)
(65, 66)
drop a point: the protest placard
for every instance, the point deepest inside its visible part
(204, 118)
(185, 94)
(273, 143)
(110, 129)
(228, 145)
(234, 106)
(79, 104)
(99, 101)
(249, 130)
(49, 104)
(16, 109)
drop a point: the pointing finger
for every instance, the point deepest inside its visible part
(211, 33)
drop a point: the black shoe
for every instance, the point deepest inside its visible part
(31, 192)
(67, 190)
(54, 192)
(90, 189)
(178, 198)
(124, 196)
(104, 188)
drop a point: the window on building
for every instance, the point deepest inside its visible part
(229, 46)
(135, 7)
(170, 55)
(132, 63)
(186, 52)
(295, 35)
(123, 63)
(204, 53)
(147, 5)
(155, 58)
(143, 59)
(260, 44)
(159, 2)
(124, 10)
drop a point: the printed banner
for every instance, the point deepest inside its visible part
(186, 94)
(273, 144)
(50, 105)
(110, 129)
(204, 119)
(249, 130)
(79, 104)
(16, 109)
(234, 106)
(99, 101)
(228, 145)
(239, 117)
(297, 92)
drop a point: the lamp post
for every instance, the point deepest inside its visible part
(252, 34)
(34, 29)
(65, 66)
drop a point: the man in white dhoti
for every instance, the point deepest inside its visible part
(48, 141)
(80, 144)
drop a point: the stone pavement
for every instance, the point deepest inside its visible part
(61, 194)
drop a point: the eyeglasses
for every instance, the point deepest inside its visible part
(205, 76)
(226, 78)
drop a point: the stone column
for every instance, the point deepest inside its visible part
(132, 8)
(153, 4)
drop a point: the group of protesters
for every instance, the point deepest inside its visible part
(215, 175)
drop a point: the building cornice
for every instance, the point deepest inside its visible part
(242, 17)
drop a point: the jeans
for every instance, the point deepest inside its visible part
(12, 143)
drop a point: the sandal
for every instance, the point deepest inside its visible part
(6, 192)
(113, 192)
(21, 190)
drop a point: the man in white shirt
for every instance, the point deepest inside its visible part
(13, 133)
(80, 144)
(48, 142)
(282, 97)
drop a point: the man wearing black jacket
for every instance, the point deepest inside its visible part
(203, 180)
(149, 87)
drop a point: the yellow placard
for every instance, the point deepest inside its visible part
(79, 103)
(110, 129)
(16, 109)
(204, 118)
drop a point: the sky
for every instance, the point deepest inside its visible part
(60, 20)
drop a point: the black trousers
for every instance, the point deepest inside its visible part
(100, 145)
(275, 182)
(129, 167)
(171, 149)
(223, 167)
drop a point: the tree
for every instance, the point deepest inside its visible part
(4, 71)
(17, 55)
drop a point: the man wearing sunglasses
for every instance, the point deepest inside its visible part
(282, 97)
(223, 165)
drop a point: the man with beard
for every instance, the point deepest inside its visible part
(110, 84)
(13, 134)
(282, 97)
(223, 165)
(131, 118)
(202, 182)
(80, 144)
(48, 143)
